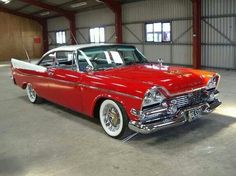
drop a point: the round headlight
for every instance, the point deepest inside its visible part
(152, 96)
(212, 83)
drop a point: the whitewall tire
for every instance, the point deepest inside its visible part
(113, 118)
(32, 95)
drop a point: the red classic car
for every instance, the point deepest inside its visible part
(117, 84)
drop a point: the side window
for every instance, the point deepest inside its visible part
(65, 59)
(82, 62)
(48, 60)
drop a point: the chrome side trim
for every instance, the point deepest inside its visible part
(83, 85)
(110, 91)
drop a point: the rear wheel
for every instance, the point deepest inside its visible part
(113, 118)
(32, 95)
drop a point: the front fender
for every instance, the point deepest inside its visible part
(127, 102)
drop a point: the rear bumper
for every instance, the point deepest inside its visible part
(180, 118)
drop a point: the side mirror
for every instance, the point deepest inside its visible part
(89, 68)
(52, 55)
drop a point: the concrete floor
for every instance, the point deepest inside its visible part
(49, 140)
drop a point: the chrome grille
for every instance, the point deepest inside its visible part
(182, 101)
(187, 99)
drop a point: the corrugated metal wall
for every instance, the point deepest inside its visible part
(135, 15)
(178, 12)
(218, 29)
(219, 33)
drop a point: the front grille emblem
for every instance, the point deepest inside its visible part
(174, 102)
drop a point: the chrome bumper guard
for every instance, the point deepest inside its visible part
(180, 118)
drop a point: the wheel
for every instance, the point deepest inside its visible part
(32, 95)
(113, 118)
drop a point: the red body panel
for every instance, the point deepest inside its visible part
(127, 84)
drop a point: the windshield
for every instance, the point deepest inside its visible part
(104, 57)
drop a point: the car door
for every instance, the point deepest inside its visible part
(41, 81)
(64, 81)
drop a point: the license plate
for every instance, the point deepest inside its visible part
(194, 114)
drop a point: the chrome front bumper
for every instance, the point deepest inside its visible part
(180, 118)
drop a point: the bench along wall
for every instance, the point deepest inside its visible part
(17, 33)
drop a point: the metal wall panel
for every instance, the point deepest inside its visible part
(219, 33)
(82, 36)
(59, 23)
(218, 30)
(94, 18)
(153, 52)
(110, 36)
(176, 11)
(218, 7)
(182, 54)
(218, 56)
(156, 10)
(182, 31)
(133, 33)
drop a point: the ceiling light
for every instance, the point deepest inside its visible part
(78, 4)
(44, 13)
(6, 1)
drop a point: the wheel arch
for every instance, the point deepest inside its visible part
(24, 85)
(98, 101)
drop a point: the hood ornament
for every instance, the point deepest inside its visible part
(160, 61)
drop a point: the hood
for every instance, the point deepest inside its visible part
(174, 79)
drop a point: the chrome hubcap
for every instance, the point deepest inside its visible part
(112, 117)
(31, 92)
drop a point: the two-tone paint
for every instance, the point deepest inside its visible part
(84, 91)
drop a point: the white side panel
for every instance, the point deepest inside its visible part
(27, 66)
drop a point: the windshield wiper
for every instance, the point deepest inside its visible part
(132, 63)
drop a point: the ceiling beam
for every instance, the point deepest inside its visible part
(13, 12)
(23, 7)
(60, 11)
(68, 14)
(112, 4)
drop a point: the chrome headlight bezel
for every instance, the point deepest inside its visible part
(213, 82)
(152, 96)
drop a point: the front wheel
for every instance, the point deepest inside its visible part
(113, 118)
(32, 95)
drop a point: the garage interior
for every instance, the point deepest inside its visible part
(47, 139)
